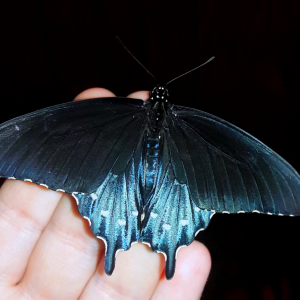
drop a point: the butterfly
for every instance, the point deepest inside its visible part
(147, 171)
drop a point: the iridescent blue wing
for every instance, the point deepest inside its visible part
(71, 146)
(91, 149)
(114, 209)
(228, 170)
(171, 218)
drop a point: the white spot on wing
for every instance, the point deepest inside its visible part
(105, 242)
(213, 213)
(94, 196)
(153, 215)
(119, 250)
(77, 202)
(241, 212)
(268, 213)
(11, 178)
(177, 250)
(145, 243)
(45, 185)
(199, 231)
(225, 212)
(104, 213)
(121, 222)
(167, 226)
(17, 127)
(164, 254)
(256, 211)
(88, 220)
(184, 223)
(61, 190)
(29, 180)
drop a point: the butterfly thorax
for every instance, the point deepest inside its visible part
(158, 104)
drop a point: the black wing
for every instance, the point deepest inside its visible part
(228, 170)
(72, 146)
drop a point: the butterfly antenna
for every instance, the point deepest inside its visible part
(191, 70)
(119, 40)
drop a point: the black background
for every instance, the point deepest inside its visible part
(52, 50)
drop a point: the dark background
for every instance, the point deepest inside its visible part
(52, 50)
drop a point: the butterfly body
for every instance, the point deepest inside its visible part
(147, 171)
(157, 107)
(150, 162)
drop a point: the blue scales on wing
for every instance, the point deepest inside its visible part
(114, 209)
(171, 218)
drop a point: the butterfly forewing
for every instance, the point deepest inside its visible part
(229, 170)
(72, 146)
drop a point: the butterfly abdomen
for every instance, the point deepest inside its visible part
(150, 162)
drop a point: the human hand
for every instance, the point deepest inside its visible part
(47, 251)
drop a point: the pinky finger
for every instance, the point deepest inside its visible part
(192, 270)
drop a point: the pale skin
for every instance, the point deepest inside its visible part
(47, 251)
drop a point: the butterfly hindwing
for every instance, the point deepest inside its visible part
(114, 209)
(171, 218)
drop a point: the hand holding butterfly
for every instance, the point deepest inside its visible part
(47, 251)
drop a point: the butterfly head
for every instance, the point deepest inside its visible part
(159, 94)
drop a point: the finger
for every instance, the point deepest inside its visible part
(94, 93)
(67, 252)
(192, 270)
(144, 95)
(64, 258)
(136, 275)
(25, 210)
